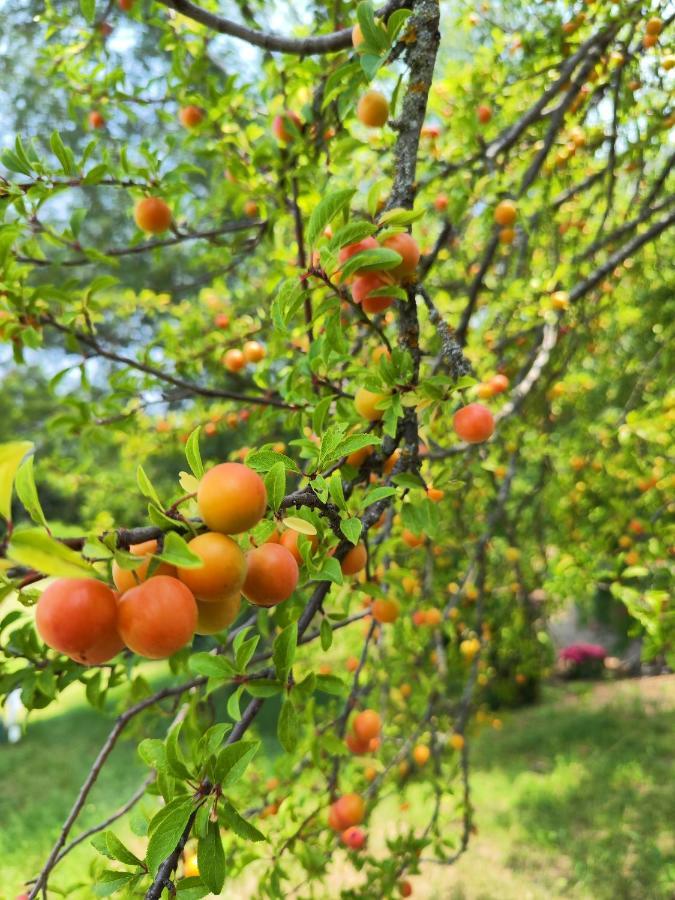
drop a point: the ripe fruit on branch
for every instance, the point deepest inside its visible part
(355, 560)
(358, 457)
(385, 611)
(456, 741)
(125, 579)
(654, 26)
(253, 351)
(412, 540)
(506, 236)
(190, 116)
(499, 383)
(223, 570)
(78, 617)
(281, 126)
(356, 745)
(214, 616)
(158, 617)
(289, 539)
(506, 213)
(365, 403)
(409, 251)
(474, 423)
(484, 113)
(367, 725)
(357, 36)
(368, 243)
(560, 300)
(405, 888)
(96, 120)
(354, 838)
(231, 498)
(234, 360)
(251, 209)
(347, 811)
(271, 576)
(152, 215)
(421, 754)
(441, 202)
(373, 109)
(372, 281)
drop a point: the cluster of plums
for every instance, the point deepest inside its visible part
(156, 612)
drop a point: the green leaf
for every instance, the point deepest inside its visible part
(211, 859)
(330, 571)
(62, 153)
(325, 211)
(11, 456)
(264, 460)
(374, 35)
(337, 491)
(263, 687)
(351, 233)
(153, 752)
(233, 761)
(400, 216)
(283, 651)
(238, 824)
(233, 701)
(166, 829)
(146, 488)
(26, 491)
(32, 547)
(378, 493)
(351, 528)
(174, 756)
(380, 258)
(88, 8)
(288, 726)
(408, 480)
(244, 652)
(108, 844)
(275, 483)
(211, 666)
(330, 684)
(192, 454)
(177, 552)
(110, 881)
(396, 22)
(326, 635)
(355, 442)
(320, 413)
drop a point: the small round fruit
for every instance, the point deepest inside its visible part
(347, 811)
(367, 725)
(408, 248)
(385, 611)
(223, 569)
(457, 741)
(231, 498)
(78, 617)
(272, 575)
(354, 838)
(474, 423)
(371, 281)
(358, 457)
(484, 113)
(126, 5)
(152, 215)
(499, 383)
(214, 616)
(654, 26)
(158, 617)
(253, 351)
(357, 36)
(289, 539)
(366, 404)
(355, 560)
(96, 120)
(405, 888)
(190, 116)
(433, 617)
(421, 754)
(368, 243)
(373, 109)
(191, 866)
(506, 213)
(251, 209)
(281, 126)
(441, 202)
(506, 235)
(234, 360)
(356, 745)
(125, 579)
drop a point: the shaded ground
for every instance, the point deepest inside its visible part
(574, 799)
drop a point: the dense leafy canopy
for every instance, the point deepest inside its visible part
(122, 367)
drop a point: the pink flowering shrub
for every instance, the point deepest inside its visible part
(583, 660)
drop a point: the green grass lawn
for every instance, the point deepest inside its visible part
(574, 798)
